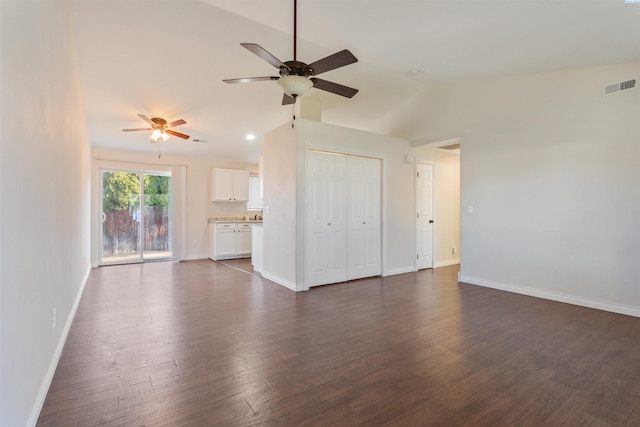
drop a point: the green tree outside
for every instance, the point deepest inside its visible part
(156, 190)
(118, 188)
(121, 190)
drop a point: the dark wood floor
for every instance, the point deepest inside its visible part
(201, 343)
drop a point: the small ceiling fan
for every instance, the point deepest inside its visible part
(160, 128)
(296, 77)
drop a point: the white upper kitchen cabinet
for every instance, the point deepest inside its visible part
(255, 201)
(229, 185)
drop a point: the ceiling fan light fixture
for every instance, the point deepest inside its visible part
(296, 77)
(295, 85)
(158, 135)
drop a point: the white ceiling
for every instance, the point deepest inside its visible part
(167, 58)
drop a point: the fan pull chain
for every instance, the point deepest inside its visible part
(293, 113)
(159, 154)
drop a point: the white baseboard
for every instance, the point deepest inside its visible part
(195, 257)
(398, 270)
(554, 296)
(280, 281)
(186, 258)
(46, 383)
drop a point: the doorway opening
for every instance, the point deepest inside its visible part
(437, 204)
(136, 217)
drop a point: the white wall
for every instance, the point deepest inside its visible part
(552, 170)
(44, 182)
(397, 184)
(398, 194)
(280, 223)
(284, 193)
(199, 205)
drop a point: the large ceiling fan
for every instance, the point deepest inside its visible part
(296, 77)
(160, 128)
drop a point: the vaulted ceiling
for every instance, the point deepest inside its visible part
(167, 58)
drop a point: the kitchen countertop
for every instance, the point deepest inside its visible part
(234, 219)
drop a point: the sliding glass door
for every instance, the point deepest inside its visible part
(156, 208)
(136, 217)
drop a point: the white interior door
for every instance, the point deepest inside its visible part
(364, 217)
(424, 216)
(326, 219)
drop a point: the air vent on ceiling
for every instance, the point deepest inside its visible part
(622, 86)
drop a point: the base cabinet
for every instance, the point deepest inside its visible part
(243, 240)
(229, 240)
(256, 248)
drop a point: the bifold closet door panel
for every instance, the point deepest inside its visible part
(326, 243)
(363, 207)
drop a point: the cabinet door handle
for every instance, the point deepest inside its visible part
(364, 222)
(329, 224)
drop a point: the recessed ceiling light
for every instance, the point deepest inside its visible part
(250, 137)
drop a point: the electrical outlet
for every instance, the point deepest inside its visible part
(54, 318)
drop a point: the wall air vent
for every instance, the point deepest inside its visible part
(622, 86)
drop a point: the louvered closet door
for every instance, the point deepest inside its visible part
(326, 243)
(363, 207)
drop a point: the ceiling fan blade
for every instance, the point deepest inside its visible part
(288, 100)
(146, 119)
(178, 134)
(133, 130)
(331, 62)
(332, 87)
(262, 53)
(176, 123)
(251, 79)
